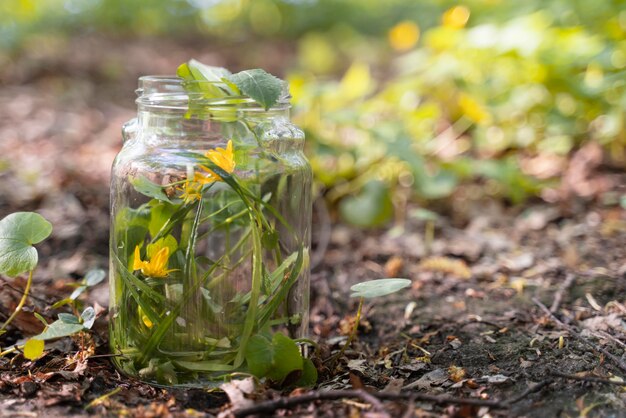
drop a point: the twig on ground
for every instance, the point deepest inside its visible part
(605, 335)
(618, 362)
(410, 409)
(558, 296)
(286, 403)
(5, 283)
(591, 379)
(528, 391)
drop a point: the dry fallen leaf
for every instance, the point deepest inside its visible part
(238, 392)
(456, 373)
(452, 266)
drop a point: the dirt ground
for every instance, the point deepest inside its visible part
(520, 309)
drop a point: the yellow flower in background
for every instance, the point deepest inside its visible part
(473, 109)
(455, 17)
(156, 267)
(223, 158)
(404, 35)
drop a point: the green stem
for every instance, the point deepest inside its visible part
(22, 301)
(352, 335)
(429, 235)
(11, 350)
(255, 293)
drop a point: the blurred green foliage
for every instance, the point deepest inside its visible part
(408, 98)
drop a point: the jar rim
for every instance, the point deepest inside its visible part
(169, 92)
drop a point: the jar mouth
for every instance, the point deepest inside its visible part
(174, 93)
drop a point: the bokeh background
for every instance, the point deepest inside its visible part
(406, 104)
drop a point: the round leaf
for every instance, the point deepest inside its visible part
(18, 233)
(33, 349)
(376, 288)
(95, 276)
(287, 358)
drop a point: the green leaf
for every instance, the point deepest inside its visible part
(259, 355)
(167, 241)
(66, 301)
(196, 71)
(40, 318)
(371, 207)
(75, 294)
(18, 233)
(88, 317)
(309, 374)
(287, 358)
(148, 188)
(59, 329)
(424, 214)
(68, 318)
(33, 349)
(93, 277)
(259, 85)
(160, 214)
(436, 186)
(275, 359)
(376, 288)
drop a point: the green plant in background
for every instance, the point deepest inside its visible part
(444, 120)
(417, 114)
(239, 299)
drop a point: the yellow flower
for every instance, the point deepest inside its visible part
(456, 17)
(192, 191)
(223, 158)
(404, 35)
(156, 267)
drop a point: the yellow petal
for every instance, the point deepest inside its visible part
(160, 258)
(223, 158)
(137, 263)
(144, 318)
(208, 179)
(33, 349)
(146, 321)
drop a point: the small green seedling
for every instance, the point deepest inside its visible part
(430, 218)
(18, 233)
(66, 325)
(92, 278)
(369, 290)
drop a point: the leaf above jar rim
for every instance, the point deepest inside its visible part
(18, 233)
(194, 70)
(259, 85)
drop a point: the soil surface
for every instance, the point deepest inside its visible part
(520, 309)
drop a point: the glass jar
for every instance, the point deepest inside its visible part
(210, 234)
